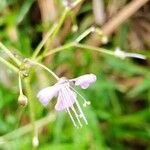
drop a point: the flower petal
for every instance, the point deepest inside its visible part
(84, 81)
(66, 99)
(46, 94)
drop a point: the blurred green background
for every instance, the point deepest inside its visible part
(119, 114)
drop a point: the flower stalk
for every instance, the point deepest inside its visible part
(54, 30)
(41, 44)
(92, 48)
(44, 67)
(22, 99)
(31, 108)
(9, 53)
(9, 65)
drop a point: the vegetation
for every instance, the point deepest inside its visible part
(71, 38)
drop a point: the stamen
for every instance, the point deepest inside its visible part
(77, 116)
(85, 101)
(66, 92)
(68, 111)
(81, 115)
(79, 108)
(73, 109)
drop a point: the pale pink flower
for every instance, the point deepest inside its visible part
(67, 96)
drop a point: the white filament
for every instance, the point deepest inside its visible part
(72, 107)
(85, 101)
(77, 116)
(68, 111)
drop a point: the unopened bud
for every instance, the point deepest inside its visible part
(98, 31)
(119, 53)
(22, 100)
(35, 141)
(104, 39)
(74, 28)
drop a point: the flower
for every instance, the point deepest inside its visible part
(67, 96)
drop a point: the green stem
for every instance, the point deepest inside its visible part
(57, 29)
(12, 67)
(101, 50)
(47, 69)
(84, 34)
(20, 84)
(76, 3)
(77, 45)
(54, 30)
(39, 47)
(64, 47)
(61, 21)
(31, 106)
(3, 47)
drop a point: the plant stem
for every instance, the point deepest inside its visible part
(54, 30)
(47, 69)
(9, 53)
(31, 106)
(92, 48)
(12, 67)
(57, 28)
(20, 84)
(77, 45)
(76, 3)
(67, 46)
(41, 44)
(84, 34)
(101, 50)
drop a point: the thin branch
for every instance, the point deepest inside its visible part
(56, 28)
(8, 64)
(41, 44)
(9, 53)
(66, 46)
(31, 106)
(44, 67)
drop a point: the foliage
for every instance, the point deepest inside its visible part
(119, 113)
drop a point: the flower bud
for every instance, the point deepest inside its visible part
(22, 100)
(74, 28)
(35, 141)
(104, 39)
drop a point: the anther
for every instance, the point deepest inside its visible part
(86, 103)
